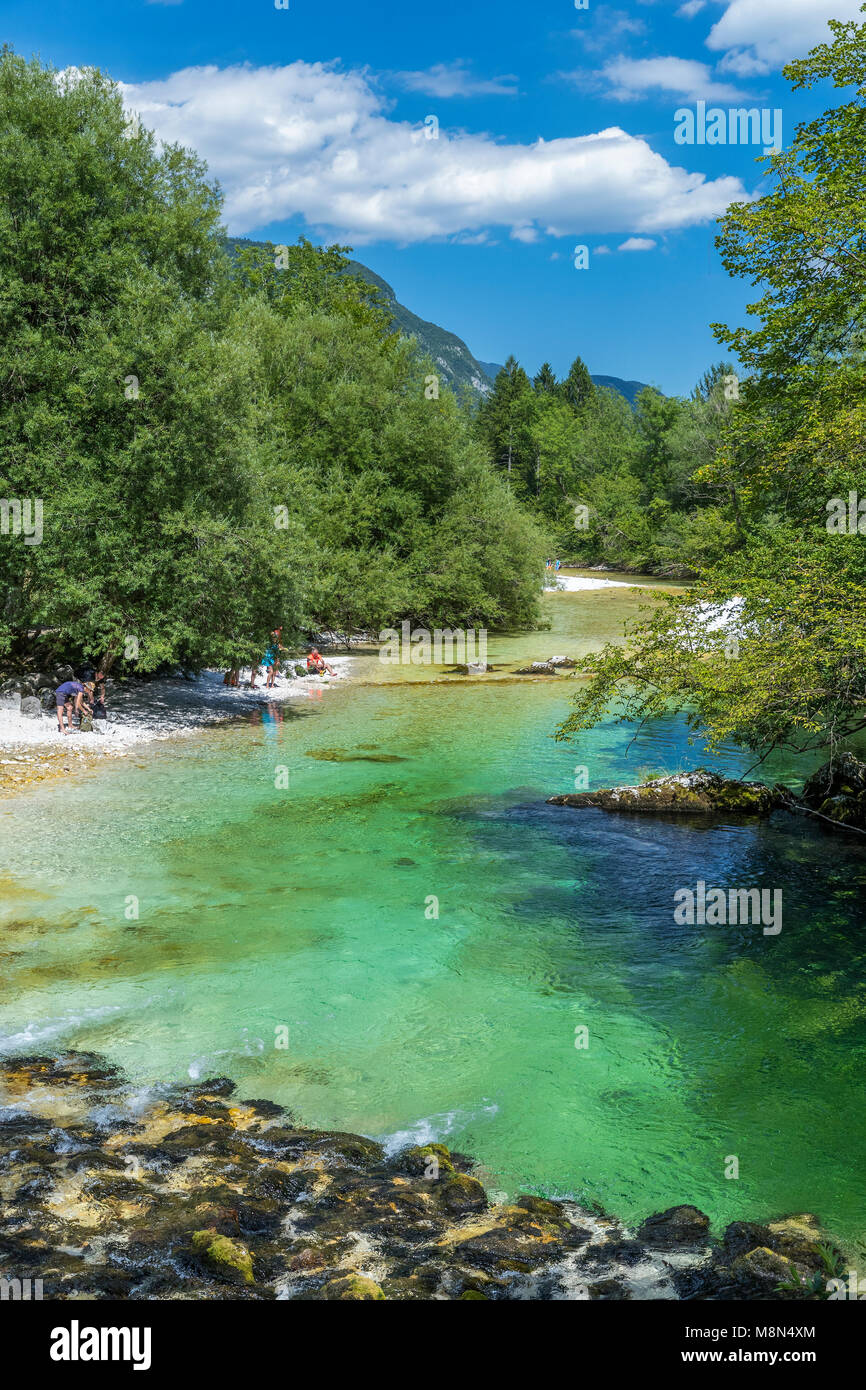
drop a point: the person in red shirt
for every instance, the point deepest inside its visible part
(316, 664)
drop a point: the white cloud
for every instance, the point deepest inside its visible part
(455, 80)
(690, 8)
(742, 63)
(602, 28)
(633, 78)
(310, 140)
(637, 243)
(776, 30)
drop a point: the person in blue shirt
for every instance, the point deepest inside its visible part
(272, 657)
(69, 698)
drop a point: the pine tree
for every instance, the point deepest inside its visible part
(544, 382)
(578, 388)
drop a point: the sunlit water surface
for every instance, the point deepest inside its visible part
(431, 934)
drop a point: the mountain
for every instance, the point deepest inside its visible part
(629, 389)
(450, 355)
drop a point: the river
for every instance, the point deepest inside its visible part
(375, 880)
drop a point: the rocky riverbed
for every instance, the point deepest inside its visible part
(185, 1192)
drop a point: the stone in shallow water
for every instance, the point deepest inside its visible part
(228, 1258)
(352, 1286)
(697, 793)
(682, 1225)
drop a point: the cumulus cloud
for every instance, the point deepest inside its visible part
(311, 140)
(743, 63)
(633, 78)
(637, 243)
(774, 31)
(603, 28)
(456, 80)
(690, 8)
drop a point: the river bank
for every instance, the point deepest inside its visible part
(189, 1192)
(141, 713)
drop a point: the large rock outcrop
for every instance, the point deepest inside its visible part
(698, 793)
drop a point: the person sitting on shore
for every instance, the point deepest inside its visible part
(70, 699)
(317, 665)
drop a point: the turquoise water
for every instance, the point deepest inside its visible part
(313, 908)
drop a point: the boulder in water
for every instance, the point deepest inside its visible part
(698, 793)
(538, 668)
(352, 1287)
(682, 1225)
(224, 1257)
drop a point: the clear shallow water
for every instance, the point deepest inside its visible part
(309, 908)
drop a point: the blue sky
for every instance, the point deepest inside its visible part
(554, 128)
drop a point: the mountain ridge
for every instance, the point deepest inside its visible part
(457, 364)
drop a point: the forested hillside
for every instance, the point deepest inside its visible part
(614, 484)
(217, 444)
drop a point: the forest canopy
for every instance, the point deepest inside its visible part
(218, 443)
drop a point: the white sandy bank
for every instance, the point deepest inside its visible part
(140, 712)
(572, 582)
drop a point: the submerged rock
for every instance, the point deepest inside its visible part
(352, 1286)
(194, 1194)
(228, 1258)
(698, 793)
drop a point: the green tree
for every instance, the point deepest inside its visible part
(788, 666)
(505, 419)
(122, 406)
(544, 382)
(578, 387)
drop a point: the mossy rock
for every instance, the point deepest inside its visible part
(459, 1195)
(333, 1145)
(353, 1287)
(762, 1267)
(473, 1296)
(409, 1289)
(698, 793)
(225, 1257)
(419, 1160)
